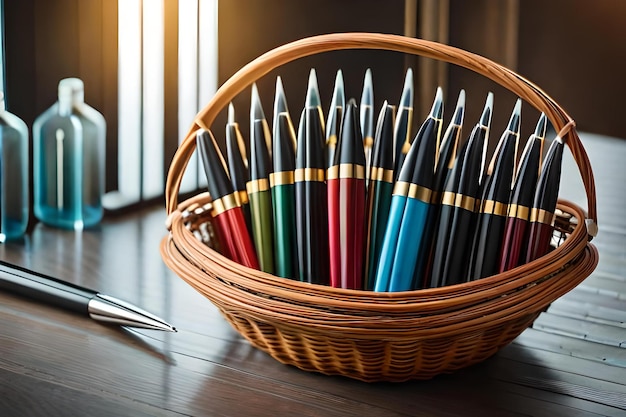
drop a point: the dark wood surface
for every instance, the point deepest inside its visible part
(54, 363)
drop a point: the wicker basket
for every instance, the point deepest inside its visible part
(367, 335)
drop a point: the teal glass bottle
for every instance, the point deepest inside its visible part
(14, 175)
(68, 159)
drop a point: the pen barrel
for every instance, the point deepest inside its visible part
(318, 264)
(283, 205)
(334, 232)
(513, 251)
(235, 238)
(539, 238)
(408, 244)
(45, 289)
(487, 245)
(454, 240)
(261, 212)
(390, 241)
(378, 205)
(352, 217)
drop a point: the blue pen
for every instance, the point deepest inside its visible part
(410, 204)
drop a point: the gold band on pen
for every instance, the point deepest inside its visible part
(350, 171)
(493, 207)
(401, 188)
(225, 203)
(309, 174)
(243, 196)
(541, 216)
(458, 200)
(281, 178)
(332, 140)
(381, 174)
(256, 186)
(521, 212)
(419, 193)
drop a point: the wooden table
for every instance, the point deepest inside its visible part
(53, 363)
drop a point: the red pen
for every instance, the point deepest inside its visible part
(228, 217)
(544, 204)
(346, 205)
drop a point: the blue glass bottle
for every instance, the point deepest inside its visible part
(68, 158)
(14, 175)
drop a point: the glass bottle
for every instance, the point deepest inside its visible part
(68, 159)
(14, 175)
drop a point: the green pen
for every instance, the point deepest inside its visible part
(258, 188)
(380, 188)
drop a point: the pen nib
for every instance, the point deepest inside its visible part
(111, 310)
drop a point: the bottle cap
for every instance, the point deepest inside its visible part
(72, 89)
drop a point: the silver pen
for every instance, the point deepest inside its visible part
(99, 307)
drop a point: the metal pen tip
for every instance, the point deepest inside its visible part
(231, 113)
(542, 125)
(485, 118)
(256, 108)
(436, 112)
(280, 99)
(367, 96)
(407, 91)
(312, 92)
(459, 111)
(339, 97)
(514, 121)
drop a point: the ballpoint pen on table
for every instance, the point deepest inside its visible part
(280, 106)
(99, 307)
(404, 120)
(491, 218)
(260, 197)
(257, 113)
(237, 162)
(366, 117)
(346, 205)
(544, 202)
(410, 204)
(283, 198)
(228, 218)
(513, 252)
(311, 198)
(445, 163)
(455, 226)
(335, 116)
(379, 189)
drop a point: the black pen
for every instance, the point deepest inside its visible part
(457, 214)
(404, 120)
(491, 219)
(99, 307)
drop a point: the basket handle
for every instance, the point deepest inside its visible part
(262, 65)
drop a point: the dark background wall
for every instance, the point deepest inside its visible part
(573, 49)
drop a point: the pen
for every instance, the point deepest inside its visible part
(491, 218)
(311, 198)
(97, 306)
(366, 117)
(283, 198)
(379, 189)
(335, 115)
(237, 162)
(346, 205)
(313, 99)
(513, 251)
(544, 202)
(228, 219)
(404, 120)
(445, 163)
(410, 204)
(260, 197)
(454, 229)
